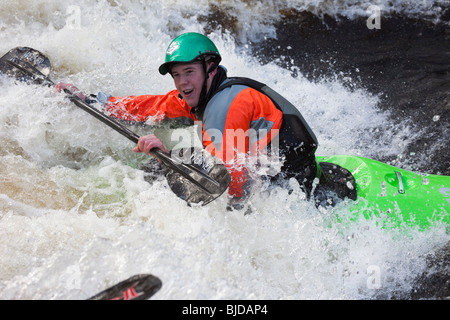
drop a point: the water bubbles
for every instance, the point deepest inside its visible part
(350, 185)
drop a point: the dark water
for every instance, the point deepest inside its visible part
(406, 63)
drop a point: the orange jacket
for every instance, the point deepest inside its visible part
(237, 121)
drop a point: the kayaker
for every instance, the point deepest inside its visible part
(238, 119)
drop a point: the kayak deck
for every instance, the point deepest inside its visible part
(399, 196)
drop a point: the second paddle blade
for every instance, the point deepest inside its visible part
(21, 63)
(204, 168)
(138, 287)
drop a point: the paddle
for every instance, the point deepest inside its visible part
(194, 175)
(138, 287)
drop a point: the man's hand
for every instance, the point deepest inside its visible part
(71, 88)
(147, 143)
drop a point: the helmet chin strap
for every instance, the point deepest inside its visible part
(198, 110)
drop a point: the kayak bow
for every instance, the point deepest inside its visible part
(400, 197)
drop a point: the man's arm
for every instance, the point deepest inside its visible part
(151, 108)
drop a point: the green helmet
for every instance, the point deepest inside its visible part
(189, 47)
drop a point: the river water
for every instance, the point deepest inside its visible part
(77, 215)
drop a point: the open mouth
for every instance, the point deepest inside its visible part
(187, 93)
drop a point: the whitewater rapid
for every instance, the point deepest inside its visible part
(76, 214)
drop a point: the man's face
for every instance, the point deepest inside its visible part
(188, 78)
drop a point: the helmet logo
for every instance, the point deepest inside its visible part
(172, 48)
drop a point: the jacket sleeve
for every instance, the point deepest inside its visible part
(153, 108)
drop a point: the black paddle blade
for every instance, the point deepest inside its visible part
(209, 173)
(138, 287)
(25, 64)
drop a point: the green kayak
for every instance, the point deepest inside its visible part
(396, 197)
